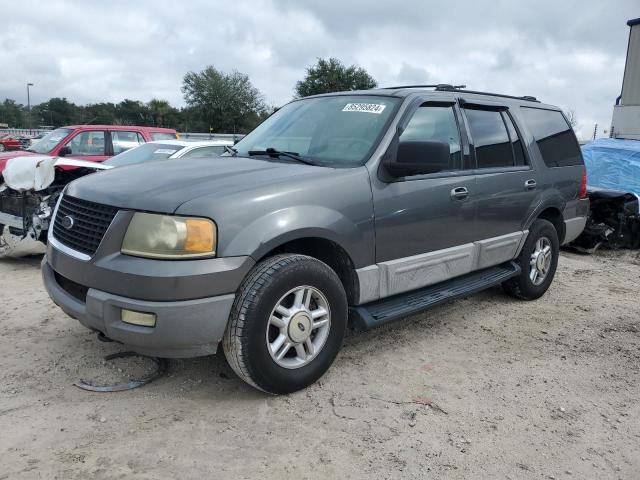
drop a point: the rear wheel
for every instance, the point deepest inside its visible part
(537, 260)
(287, 323)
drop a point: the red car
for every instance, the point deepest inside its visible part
(95, 143)
(7, 142)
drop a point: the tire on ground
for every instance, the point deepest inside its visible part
(522, 286)
(245, 339)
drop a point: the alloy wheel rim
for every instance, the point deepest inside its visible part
(540, 262)
(298, 327)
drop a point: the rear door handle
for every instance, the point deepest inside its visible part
(459, 193)
(530, 184)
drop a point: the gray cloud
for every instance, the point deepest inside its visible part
(567, 53)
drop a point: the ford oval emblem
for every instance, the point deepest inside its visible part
(67, 222)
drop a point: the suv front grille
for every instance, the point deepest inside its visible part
(90, 222)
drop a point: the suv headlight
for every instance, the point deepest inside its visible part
(170, 237)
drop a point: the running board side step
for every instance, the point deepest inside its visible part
(393, 308)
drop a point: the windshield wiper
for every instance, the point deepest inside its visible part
(272, 152)
(230, 150)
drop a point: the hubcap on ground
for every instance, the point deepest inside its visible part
(298, 327)
(540, 261)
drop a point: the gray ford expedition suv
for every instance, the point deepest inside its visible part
(366, 206)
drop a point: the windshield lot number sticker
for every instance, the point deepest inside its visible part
(364, 107)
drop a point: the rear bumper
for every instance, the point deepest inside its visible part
(186, 328)
(575, 219)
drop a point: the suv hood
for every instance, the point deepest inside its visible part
(164, 185)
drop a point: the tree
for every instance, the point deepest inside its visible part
(159, 110)
(132, 112)
(100, 113)
(332, 76)
(571, 117)
(222, 101)
(12, 113)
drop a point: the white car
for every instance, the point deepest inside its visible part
(169, 149)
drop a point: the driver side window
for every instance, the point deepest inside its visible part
(435, 123)
(88, 144)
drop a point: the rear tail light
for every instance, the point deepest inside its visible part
(583, 185)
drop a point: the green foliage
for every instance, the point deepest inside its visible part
(12, 113)
(223, 101)
(331, 75)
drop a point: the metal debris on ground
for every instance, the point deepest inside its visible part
(161, 364)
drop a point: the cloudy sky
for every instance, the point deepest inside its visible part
(566, 52)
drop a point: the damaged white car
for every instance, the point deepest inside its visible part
(28, 195)
(30, 186)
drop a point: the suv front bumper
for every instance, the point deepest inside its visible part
(184, 328)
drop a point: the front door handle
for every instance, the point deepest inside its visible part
(459, 193)
(530, 184)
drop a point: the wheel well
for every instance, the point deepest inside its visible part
(554, 216)
(330, 253)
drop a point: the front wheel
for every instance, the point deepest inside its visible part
(287, 323)
(537, 260)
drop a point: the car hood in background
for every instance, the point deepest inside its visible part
(37, 172)
(164, 186)
(6, 156)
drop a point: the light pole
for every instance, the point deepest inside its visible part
(29, 105)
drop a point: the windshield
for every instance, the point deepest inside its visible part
(144, 153)
(50, 141)
(330, 131)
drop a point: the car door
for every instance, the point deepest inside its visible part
(89, 145)
(424, 223)
(506, 185)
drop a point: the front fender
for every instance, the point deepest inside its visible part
(301, 221)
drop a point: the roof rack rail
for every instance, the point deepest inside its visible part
(527, 98)
(444, 87)
(439, 86)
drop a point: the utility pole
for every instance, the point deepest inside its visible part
(29, 105)
(595, 131)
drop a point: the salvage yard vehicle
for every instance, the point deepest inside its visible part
(372, 205)
(94, 143)
(613, 172)
(9, 142)
(32, 185)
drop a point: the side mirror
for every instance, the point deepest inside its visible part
(64, 151)
(420, 157)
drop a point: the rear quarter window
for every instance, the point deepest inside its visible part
(555, 138)
(163, 136)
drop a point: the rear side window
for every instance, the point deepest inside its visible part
(202, 152)
(516, 143)
(163, 136)
(555, 139)
(125, 140)
(490, 138)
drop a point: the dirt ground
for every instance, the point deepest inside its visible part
(546, 389)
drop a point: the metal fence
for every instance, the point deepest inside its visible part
(183, 136)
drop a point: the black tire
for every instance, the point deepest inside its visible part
(246, 336)
(522, 286)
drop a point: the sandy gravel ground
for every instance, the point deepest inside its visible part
(547, 389)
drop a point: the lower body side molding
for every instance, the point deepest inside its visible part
(378, 313)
